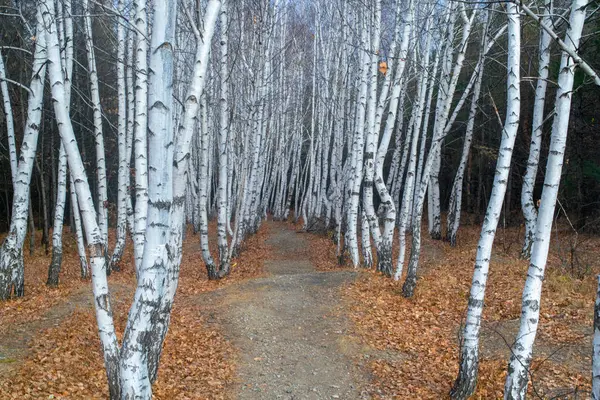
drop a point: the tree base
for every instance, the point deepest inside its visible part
(54, 268)
(466, 381)
(12, 273)
(408, 289)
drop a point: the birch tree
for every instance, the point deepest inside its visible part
(84, 198)
(455, 205)
(522, 349)
(356, 169)
(123, 171)
(372, 136)
(140, 134)
(464, 386)
(222, 143)
(527, 200)
(11, 252)
(98, 134)
(64, 27)
(10, 124)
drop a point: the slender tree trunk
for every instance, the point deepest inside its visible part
(9, 119)
(97, 118)
(356, 172)
(130, 75)
(464, 386)
(65, 38)
(371, 135)
(31, 223)
(527, 200)
(203, 182)
(11, 252)
(140, 132)
(123, 172)
(43, 193)
(455, 207)
(59, 214)
(83, 263)
(522, 349)
(384, 251)
(104, 319)
(222, 145)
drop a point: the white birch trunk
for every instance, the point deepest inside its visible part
(522, 349)
(372, 136)
(465, 383)
(9, 119)
(365, 236)
(527, 200)
(139, 340)
(140, 132)
(84, 197)
(83, 262)
(441, 128)
(203, 183)
(123, 171)
(59, 215)
(222, 146)
(11, 252)
(455, 206)
(356, 171)
(97, 117)
(129, 76)
(180, 180)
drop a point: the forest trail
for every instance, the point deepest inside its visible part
(288, 329)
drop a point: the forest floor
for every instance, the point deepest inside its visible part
(49, 346)
(290, 323)
(289, 327)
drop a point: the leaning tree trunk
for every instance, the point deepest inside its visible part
(455, 206)
(104, 318)
(11, 253)
(527, 201)
(97, 118)
(9, 119)
(465, 383)
(441, 129)
(83, 263)
(411, 157)
(384, 251)
(65, 40)
(522, 349)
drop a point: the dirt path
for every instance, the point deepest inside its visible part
(288, 329)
